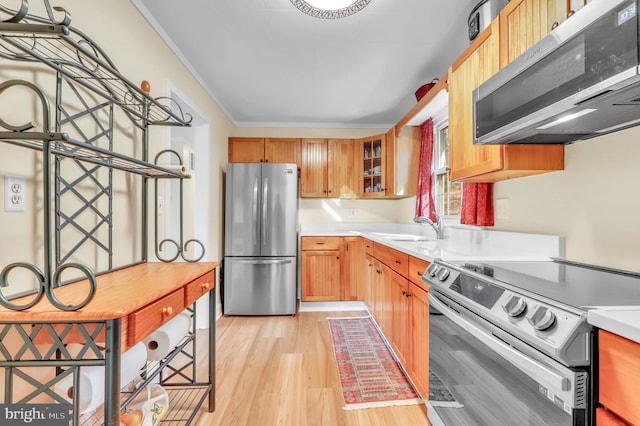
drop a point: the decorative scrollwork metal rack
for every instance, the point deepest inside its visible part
(78, 62)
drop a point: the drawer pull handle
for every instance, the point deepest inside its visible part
(205, 286)
(167, 312)
(398, 262)
(320, 244)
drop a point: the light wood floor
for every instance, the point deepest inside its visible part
(280, 371)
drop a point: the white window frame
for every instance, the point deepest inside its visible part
(440, 121)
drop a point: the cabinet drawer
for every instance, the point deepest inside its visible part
(321, 243)
(198, 287)
(416, 269)
(368, 247)
(620, 376)
(144, 321)
(396, 260)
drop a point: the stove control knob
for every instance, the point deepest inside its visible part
(515, 306)
(443, 274)
(542, 318)
(432, 270)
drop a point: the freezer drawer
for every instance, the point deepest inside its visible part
(260, 286)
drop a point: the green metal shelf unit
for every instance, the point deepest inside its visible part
(78, 144)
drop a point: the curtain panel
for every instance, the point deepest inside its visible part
(425, 205)
(477, 204)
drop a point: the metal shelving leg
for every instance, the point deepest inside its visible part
(112, 373)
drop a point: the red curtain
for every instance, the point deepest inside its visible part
(477, 204)
(424, 196)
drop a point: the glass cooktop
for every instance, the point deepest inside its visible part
(573, 284)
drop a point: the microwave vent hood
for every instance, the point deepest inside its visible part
(580, 81)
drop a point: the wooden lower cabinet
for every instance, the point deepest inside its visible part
(320, 275)
(619, 365)
(418, 331)
(397, 299)
(353, 271)
(332, 268)
(321, 268)
(399, 295)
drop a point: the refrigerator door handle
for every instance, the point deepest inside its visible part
(265, 219)
(265, 262)
(254, 208)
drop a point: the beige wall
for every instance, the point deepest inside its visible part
(139, 54)
(593, 203)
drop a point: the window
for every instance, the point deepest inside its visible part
(447, 195)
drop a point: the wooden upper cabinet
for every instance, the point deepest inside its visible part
(246, 150)
(340, 177)
(313, 172)
(487, 163)
(327, 168)
(282, 150)
(371, 166)
(264, 150)
(525, 22)
(402, 159)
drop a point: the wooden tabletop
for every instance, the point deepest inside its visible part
(118, 293)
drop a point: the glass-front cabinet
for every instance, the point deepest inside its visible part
(372, 167)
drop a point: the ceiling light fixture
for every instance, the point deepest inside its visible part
(330, 9)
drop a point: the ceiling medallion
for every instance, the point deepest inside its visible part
(330, 9)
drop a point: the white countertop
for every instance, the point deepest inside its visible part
(623, 321)
(467, 243)
(460, 243)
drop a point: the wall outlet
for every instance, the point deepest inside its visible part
(14, 193)
(502, 208)
(351, 212)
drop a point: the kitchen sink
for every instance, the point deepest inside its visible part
(406, 238)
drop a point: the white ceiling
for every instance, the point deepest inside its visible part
(268, 64)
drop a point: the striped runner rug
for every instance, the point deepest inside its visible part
(369, 374)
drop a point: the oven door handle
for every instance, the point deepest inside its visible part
(540, 373)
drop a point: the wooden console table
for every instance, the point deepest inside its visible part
(129, 304)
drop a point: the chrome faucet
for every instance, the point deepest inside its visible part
(438, 226)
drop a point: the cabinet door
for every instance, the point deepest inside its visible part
(386, 303)
(401, 162)
(479, 62)
(399, 338)
(525, 22)
(377, 292)
(246, 150)
(282, 150)
(619, 375)
(368, 280)
(313, 173)
(419, 338)
(320, 275)
(371, 167)
(353, 283)
(340, 176)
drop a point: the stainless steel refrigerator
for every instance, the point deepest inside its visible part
(261, 241)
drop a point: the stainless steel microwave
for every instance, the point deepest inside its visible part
(580, 81)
